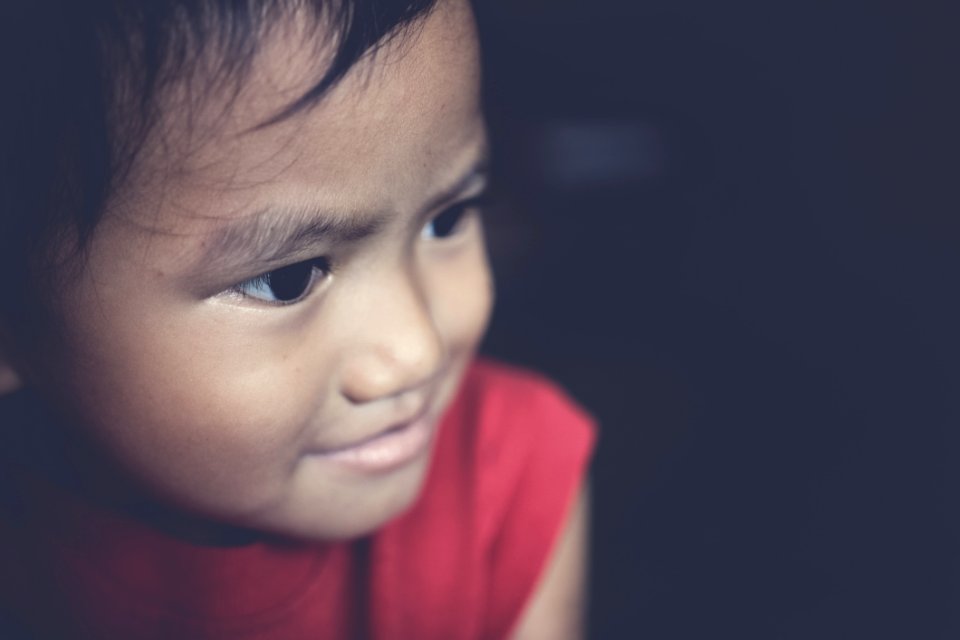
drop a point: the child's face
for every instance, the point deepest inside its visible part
(228, 404)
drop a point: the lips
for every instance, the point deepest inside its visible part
(387, 449)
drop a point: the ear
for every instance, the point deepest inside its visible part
(10, 378)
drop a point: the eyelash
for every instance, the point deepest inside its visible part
(450, 220)
(303, 282)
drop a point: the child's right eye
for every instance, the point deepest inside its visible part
(286, 285)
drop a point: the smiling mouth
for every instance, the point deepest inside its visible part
(396, 447)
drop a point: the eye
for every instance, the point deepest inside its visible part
(286, 285)
(449, 222)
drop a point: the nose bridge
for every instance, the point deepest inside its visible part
(398, 345)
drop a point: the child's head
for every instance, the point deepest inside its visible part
(241, 271)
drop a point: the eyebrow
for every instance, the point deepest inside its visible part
(272, 234)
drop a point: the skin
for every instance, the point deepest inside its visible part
(556, 610)
(211, 404)
(216, 403)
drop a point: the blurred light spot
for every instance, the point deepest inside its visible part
(584, 155)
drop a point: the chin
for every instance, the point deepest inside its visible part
(361, 512)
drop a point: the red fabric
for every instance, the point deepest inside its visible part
(460, 564)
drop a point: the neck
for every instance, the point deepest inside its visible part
(36, 442)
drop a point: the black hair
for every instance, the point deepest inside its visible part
(81, 79)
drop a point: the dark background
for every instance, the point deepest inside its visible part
(731, 231)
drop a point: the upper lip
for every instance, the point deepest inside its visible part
(375, 433)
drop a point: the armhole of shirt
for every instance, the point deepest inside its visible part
(536, 446)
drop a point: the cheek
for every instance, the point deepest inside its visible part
(462, 294)
(197, 410)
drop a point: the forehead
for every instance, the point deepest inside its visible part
(406, 116)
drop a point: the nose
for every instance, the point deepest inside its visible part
(398, 346)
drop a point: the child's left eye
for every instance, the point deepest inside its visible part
(448, 222)
(286, 285)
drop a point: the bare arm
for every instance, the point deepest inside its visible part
(557, 609)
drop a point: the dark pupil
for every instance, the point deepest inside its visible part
(291, 282)
(445, 223)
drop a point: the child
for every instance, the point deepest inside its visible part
(246, 281)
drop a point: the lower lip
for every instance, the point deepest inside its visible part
(387, 451)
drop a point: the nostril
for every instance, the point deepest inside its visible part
(395, 343)
(380, 373)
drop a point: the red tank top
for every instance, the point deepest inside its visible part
(460, 564)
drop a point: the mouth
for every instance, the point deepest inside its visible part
(387, 450)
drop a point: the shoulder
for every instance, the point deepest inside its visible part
(524, 436)
(509, 464)
(501, 400)
(534, 445)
